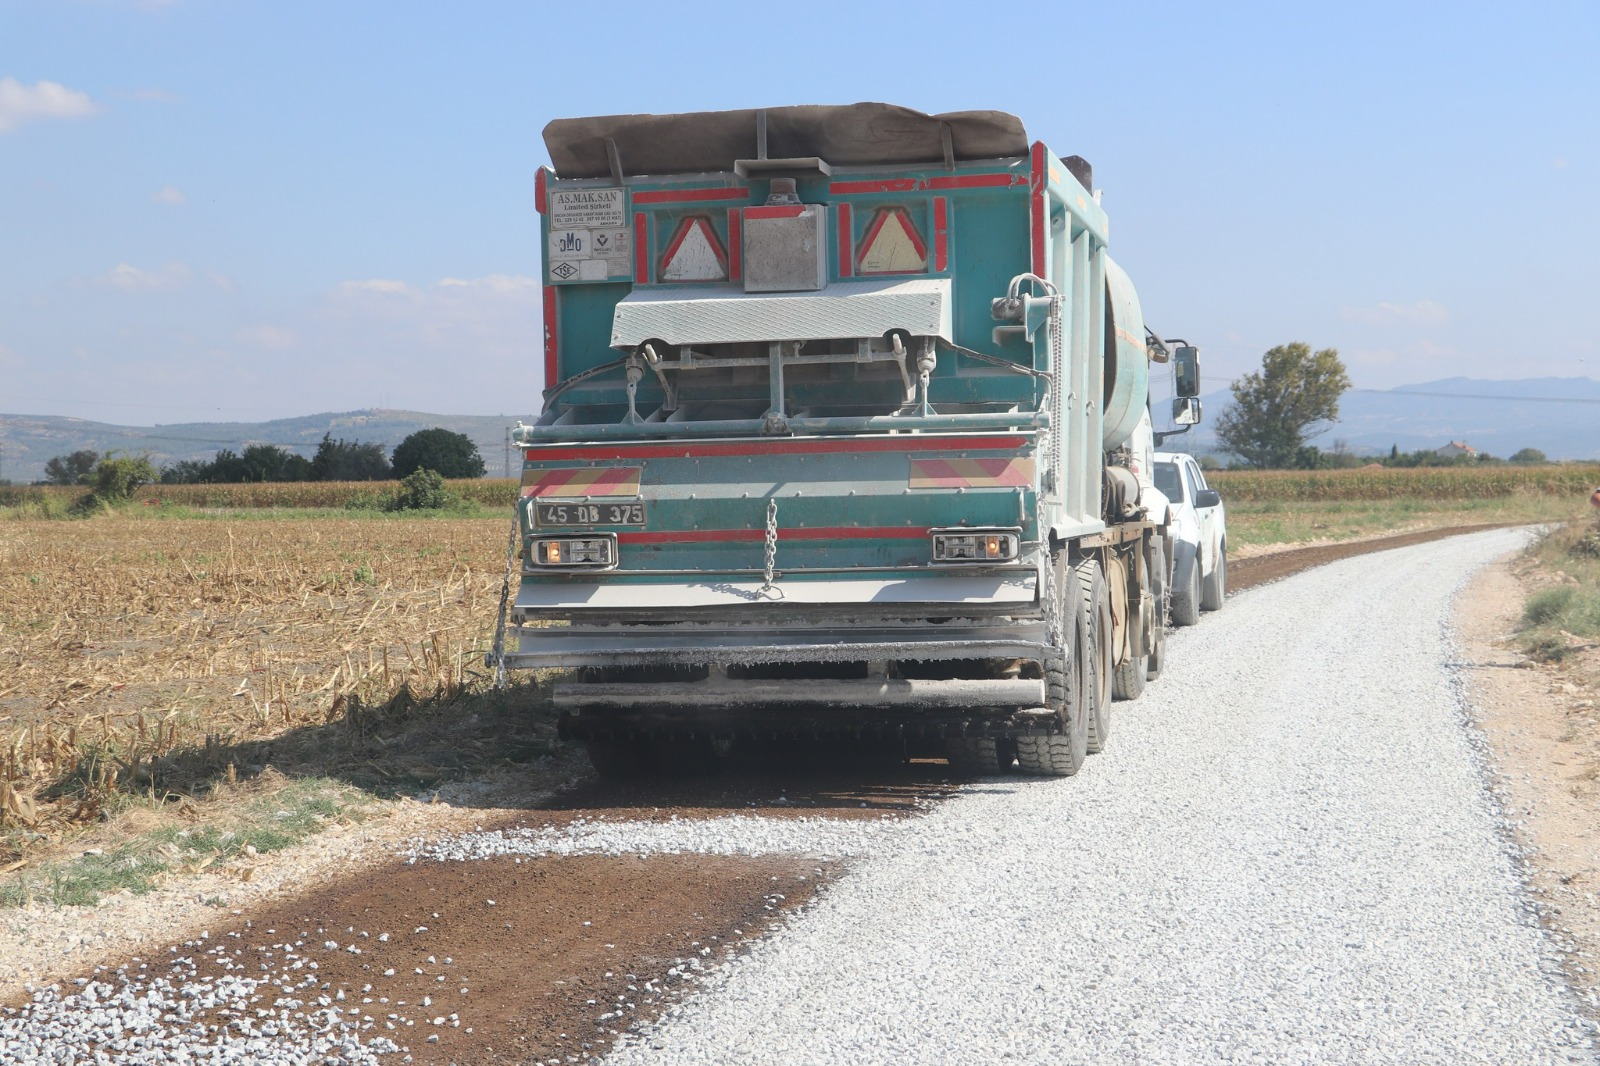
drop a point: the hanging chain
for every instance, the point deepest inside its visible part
(772, 547)
(497, 656)
(1053, 622)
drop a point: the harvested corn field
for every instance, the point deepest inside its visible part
(133, 637)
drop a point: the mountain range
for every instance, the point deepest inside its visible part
(27, 442)
(1558, 416)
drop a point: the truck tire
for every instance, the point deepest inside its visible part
(1068, 689)
(620, 759)
(1128, 683)
(1186, 598)
(1097, 598)
(1162, 578)
(1216, 584)
(980, 756)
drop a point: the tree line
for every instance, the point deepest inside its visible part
(445, 452)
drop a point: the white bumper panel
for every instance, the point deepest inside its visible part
(955, 590)
(921, 307)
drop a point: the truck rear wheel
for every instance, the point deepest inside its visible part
(1069, 689)
(980, 755)
(1102, 656)
(1162, 576)
(1131, 675)
(620, 759)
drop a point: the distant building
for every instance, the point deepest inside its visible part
(1456, 449)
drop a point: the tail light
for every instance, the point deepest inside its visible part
(594, 552)
(976, 545)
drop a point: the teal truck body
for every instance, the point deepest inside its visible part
(845, 430)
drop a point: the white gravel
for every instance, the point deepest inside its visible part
(731, 835)
(1288, 855)
(176, 1010)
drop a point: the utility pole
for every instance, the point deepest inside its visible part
(508, 452)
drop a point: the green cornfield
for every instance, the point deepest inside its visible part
(1492, 481)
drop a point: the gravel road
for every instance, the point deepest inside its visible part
(1287, 855)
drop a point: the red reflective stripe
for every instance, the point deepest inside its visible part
(941, 255)
(703, 536)
(551, 370)
(786, 211)
(686, 196)
(693, 450)
(965, 181)
(735, 243)
(641, 248)
(1038, 215)
(846, 242)
(615, 476)
(540, 179)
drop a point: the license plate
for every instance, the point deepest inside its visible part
(588, 514)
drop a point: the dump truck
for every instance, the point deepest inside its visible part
(846, 431)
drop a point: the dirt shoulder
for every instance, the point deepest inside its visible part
(1543, 730)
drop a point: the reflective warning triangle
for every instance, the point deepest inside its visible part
(694, 253)
(892, 245)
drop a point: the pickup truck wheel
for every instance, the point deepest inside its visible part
(980, 756)
(1216, 586)
(1097, 599)
(620, 759)
(1069, 688)
(1186, 598)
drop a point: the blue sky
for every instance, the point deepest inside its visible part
(247, 210)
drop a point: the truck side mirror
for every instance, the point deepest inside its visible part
(1186, 411)
(1186, 368)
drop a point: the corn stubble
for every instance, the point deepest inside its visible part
(127, 642)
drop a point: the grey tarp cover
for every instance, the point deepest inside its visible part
(841, 134)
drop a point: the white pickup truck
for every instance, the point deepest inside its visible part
(1199, 535)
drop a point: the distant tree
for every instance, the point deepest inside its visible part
(444, 451)
(1209, 463)
(184, 472)
(1529, 455)
(1292, 398)
(422, 490)
(342, 460)
(1394, 452)
(74, 469)
(115, 477)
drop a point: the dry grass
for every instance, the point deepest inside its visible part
(133, 648)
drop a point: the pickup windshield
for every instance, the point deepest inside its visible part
(1168, 481)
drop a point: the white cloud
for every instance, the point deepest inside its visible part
(1421, 313)
(499, 284)
(132, 279)
(381, 286)
(273, 338)
(221, 281)
(169, 195)
(21, 103)
(9, 359)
